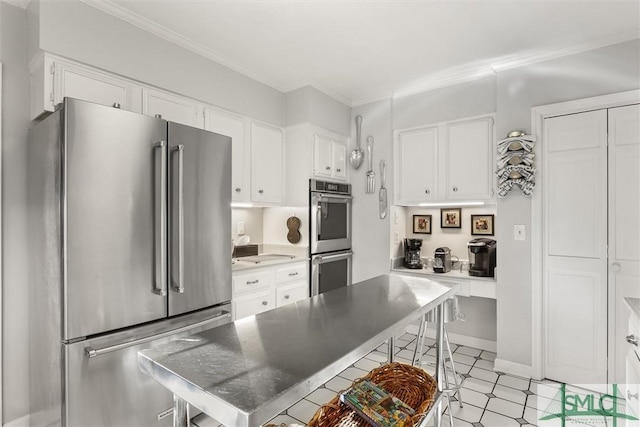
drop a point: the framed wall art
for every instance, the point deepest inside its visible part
(422, 224)
(482, 225)
(450, 218)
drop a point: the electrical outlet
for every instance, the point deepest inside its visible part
(396, 237)
(519, 232)
(240, 227)
(395, 218)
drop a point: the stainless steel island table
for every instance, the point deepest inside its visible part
(247, 372)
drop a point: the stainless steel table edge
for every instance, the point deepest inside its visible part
(187, 393)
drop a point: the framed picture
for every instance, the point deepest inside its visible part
(450, 218)
(422, 224)
(482, 225)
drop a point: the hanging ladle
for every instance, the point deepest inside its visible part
(357, 155)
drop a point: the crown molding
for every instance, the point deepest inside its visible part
(22, 4)
(145, 24)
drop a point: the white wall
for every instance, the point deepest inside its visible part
(78, 31)
(252, 218)
(370, 233)
(15, 119)
(596, 72)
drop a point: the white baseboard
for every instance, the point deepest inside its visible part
(19, 422)
(465, 340)
(512, 368)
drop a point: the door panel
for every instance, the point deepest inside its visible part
(576, 322)
(200, 250)
(575, 214)
(234, 127)
(418, 152)
(109, 240)
(624, 226)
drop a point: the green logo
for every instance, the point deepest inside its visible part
(591, 407)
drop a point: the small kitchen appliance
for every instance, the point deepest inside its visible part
(412, 253)
(482, 257)
(442, 260)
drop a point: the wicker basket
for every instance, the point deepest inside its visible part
(410, 384)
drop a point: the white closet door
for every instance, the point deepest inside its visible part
(575, 289)
(624, 225)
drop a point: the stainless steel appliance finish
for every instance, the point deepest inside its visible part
(442, 260)
(330, 216)
(257, 259)
(330, 271)
(251, 372)
(118, 202)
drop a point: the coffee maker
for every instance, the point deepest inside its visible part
(412, 253)
(442, 260)
(482, 257)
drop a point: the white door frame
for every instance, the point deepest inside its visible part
(538, 114)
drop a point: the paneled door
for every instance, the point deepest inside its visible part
(575, 282)
(624, 228)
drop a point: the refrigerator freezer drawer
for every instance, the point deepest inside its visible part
(104, 387)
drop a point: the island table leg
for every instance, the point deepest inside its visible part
(180, 412)
(440, 371)
(390, 347)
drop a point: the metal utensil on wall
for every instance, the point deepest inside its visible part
(371, 175)
(383, 189)
(357, 155)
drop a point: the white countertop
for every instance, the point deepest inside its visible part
(453, 274)
(470, 286)
(239, 265)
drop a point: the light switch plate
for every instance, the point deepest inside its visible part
(519, 232)
(240, 227)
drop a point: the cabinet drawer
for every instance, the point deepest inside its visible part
(291, 272)
(288, 294)
(253, 304)
(248, 282)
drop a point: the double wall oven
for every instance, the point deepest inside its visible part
(330, 235)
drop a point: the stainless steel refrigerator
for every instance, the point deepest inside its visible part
(129, 222)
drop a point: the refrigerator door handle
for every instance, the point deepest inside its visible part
(160, 219)
(92, 352)
(177, 223)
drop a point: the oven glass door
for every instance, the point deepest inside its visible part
(330, 222)
(330, 271)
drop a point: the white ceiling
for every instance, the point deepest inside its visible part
(360, 51)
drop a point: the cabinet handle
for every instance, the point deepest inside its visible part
(615, 267)
(238, 190)
(631, 396)
(252, 282)
(286, 297)
(632, 339)
(338, 170)
(455, 189)
(260, 191)
(264, 303)
(293, 274)
(427, 191)
(328, 168)
(116, 105)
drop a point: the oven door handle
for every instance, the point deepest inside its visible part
(319, 259)
(322, 197)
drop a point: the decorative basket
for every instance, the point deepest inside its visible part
(408, 383)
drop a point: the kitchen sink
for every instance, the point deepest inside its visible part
(257, 259)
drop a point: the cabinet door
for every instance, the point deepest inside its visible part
(234, 126)
(90, 85)
(322, 156)
(469, 160)
(267, 177)
(417, 165)
(288, 294)
(624, 228)
(339, 161)
(172, 108)
(255, 303)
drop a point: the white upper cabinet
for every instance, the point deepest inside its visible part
(267, 173)
(236, 127)
(173, 108)
(329, 158)
(469, 160)
(447, 162)
(52, 79)
(417, 174)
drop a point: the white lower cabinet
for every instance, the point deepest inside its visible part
(264, 288)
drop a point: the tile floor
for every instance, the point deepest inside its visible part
(490, 399)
